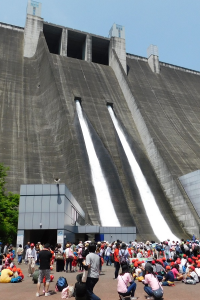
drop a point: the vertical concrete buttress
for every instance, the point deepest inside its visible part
(88, 48)
(119, 45)
(64, 40)
(153, 61)
(31, 34)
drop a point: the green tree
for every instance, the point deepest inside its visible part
(8, 210)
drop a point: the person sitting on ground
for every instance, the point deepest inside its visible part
(197, 270)
(177, 275)
(80, 289)
(152, 285)
(6, 276)
(168, 279)
(123, 280)
(191, 276)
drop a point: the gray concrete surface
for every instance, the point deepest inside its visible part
(106, 288)
(41, 136)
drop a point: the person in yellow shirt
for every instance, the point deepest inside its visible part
(6, 276)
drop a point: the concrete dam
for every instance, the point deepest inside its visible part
(45, 69)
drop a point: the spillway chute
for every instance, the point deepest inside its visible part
(107, 213)
(156, 219)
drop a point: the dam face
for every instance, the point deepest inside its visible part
(44, 68)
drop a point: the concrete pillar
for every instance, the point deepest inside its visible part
(32, 30)
(64, 40)
(153, 58)
(119, 45)
(20, 238)
(88, 48)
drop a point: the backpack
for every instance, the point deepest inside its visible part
(158, 247)
(61, 284)
(122, 259)
(15, 280)
(35, 276)
(85, 252)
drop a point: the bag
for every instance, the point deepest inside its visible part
(35, 276)
(84, 277)
(140, 278)
(61, 284)
(15, 280)
(85, 252)
(158, 293)
(70, 254)
(65, 293)
(158, 248)
(59, 256)
(122, 259)
(71, 291)
(184, 269)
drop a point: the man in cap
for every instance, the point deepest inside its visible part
(45, 257)
(31, 257)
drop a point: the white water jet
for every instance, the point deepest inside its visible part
(106, 210)
(158, 223)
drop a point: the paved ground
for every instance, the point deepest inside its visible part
(105, 288)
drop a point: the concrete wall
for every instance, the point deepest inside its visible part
(33, 27)
(37, 101)
(175, 198)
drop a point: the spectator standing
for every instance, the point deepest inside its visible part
(26, 247)
(116, 260)
(93, 263)
(31, 257)
(5, 249)
(20, 251)
(45, 257)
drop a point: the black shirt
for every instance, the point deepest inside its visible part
(45, 259)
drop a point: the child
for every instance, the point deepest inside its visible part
(191, 276)
(75, 261)
(168, 279)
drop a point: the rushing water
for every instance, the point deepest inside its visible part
(106, 210)
(158, 223)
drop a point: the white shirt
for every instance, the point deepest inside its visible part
(31, 253)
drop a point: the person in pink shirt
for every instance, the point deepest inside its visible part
(175, 271)
(152, 285)
(123, 287)
(80, 258)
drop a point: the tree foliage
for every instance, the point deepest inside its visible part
(8, 210)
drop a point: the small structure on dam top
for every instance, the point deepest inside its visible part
(46, 67)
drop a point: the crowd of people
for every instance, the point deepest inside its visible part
(153, 264)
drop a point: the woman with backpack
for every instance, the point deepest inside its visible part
(69, 256)
(123, 255)
(59, 259)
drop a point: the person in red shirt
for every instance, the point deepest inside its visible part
(116, 260)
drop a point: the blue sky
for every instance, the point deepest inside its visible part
(172, 25)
